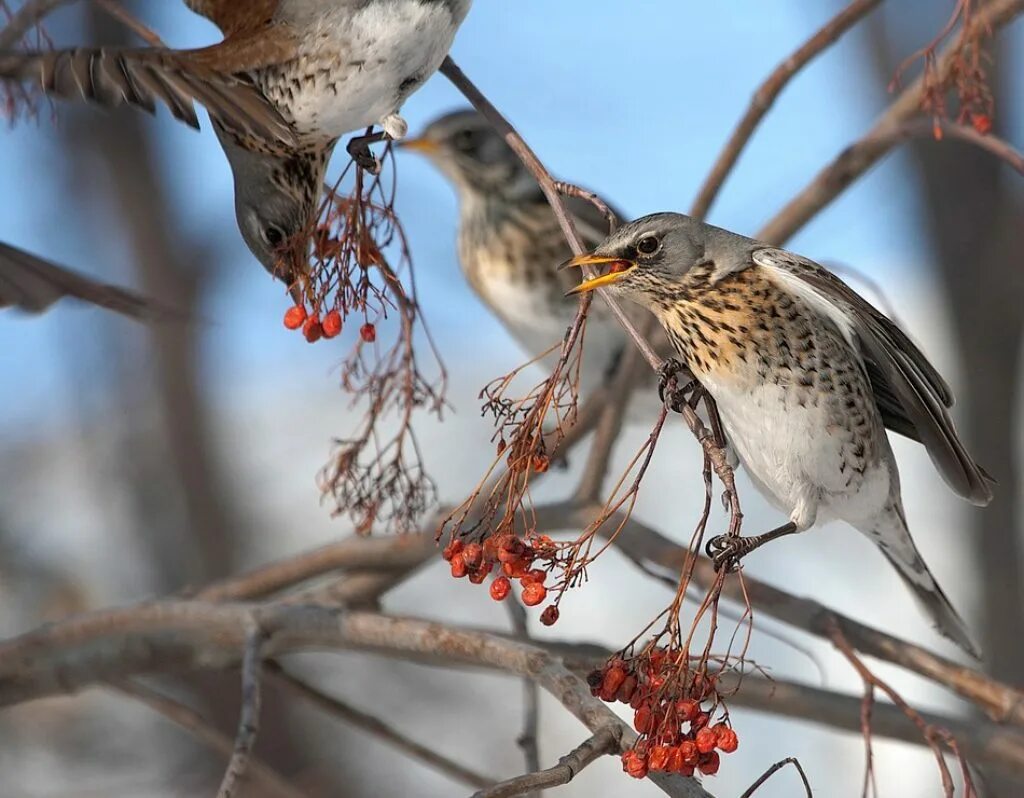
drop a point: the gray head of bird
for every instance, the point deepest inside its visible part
(648, 259)
(471, 154)
(276, 204)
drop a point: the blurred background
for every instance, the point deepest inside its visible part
(135, 461)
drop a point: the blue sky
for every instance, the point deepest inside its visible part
(633, 103)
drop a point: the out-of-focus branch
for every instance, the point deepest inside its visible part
(925, 129)
(23, 20)
(375, 726)
(642, 543)
(860, 156)
(604, 741)
(187, 718)
(249, 716)
(766, 95)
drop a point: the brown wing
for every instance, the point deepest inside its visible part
(911, 395)
(235, 16)
(33, 285)
(142, 77)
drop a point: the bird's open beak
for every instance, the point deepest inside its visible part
(425, 146)
(617, 269)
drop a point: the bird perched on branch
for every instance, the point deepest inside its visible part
(807, 376)
(509, 241)
(289, 78)
(31, 284)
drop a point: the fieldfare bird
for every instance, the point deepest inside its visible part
(509, 241)
(807, 376)
(289, 78)
(32, 284)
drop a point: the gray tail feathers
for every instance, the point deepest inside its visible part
(890, 534)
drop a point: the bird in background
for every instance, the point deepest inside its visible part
(32, 284)
(509, 242)
(807, 377)
(289, 78)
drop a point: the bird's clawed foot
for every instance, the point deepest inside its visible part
(726, 551)
(677, 398)
(359, 148)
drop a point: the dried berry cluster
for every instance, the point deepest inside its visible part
(514, 559)
(673, 708)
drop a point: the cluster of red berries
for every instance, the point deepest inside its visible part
(515, 558)
(315, 328)
(676, 735)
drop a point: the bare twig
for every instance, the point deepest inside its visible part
(25, 18)
(604, 741)
(248, 721)
(375, 726)
(789, 760)
(130, 21)
(528, 740)
(864, 153)
(766, 95)
(187, 718)
(925, 128)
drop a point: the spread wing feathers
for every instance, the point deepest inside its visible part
(144, 77)
(911, 396)
(33, 285)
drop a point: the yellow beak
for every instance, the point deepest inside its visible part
(425, 146)
(619, 269)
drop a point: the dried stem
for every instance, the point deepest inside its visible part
(766, 95)
(789, 760)
(248, 721)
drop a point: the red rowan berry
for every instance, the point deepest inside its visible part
(454, 547)
(312, 329)
(690, 754)
(706, 740)
(550, 616)
(634, 764)
(658, 758)
(628, 688)
(709, 763)
(533, 594)
(643, 720)
(473, 554)
(536, 575)
(459, 569)
(509, 549)
(700, 721)
(368, 333)
(500, 588)
(540, 463)
(982, 123)
(687, 709)
(613, 679)
(331, 324)
(728, 740)
(294, 316)
(675, 759)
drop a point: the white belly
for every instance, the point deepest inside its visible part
(386, 50)
(797, 457)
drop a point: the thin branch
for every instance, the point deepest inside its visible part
(249, 717)
(766, 95)
(118, 12)
(604, 741)
(789, 760)
(925, 128)
(187, 718)
(373, 725)
(860, 156)
(25, 18)
(528, 740)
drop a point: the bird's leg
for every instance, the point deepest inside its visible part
(668, 371)
(726, 551)
(359, 148)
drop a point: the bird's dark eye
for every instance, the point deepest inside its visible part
(648, 245)
(275, 235)
(464, 140)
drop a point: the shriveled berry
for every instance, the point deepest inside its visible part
(509, 549)
(700, 721)
(594, 680)
(687, 709)
(500, 588)
(294, 316)
(540, 463)
(516, 568)
(727, 739)
(312, 329)
(657, 759)
(706, 740)
(473, 554)
(690, 754)
(534, 594)
(534, 575)
(627, 689)
(634, 764)
(453, 548)
(550, 616)
(613, 679)
(709, 763)
(643, 720)
(368, 333)
(675, 759)
(459, 569)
